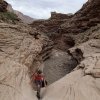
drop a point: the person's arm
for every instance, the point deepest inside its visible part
(42, 75)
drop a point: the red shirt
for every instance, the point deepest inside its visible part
(39, 77)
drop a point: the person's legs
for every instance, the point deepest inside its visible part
(39, 85)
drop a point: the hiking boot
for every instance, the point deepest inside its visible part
(38, 95)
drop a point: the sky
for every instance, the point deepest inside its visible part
(41, 9)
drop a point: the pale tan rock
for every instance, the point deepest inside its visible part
(84, 82)
(17, 52)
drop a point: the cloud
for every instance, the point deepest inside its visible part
(42, 8)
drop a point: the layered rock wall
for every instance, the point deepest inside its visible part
(18, 50)
(87, 17)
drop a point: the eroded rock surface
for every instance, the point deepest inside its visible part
(60, 25)
(83, 82)
(58, 65)
(87, 17)
(17, 53)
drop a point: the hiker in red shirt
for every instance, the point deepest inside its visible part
(38, 78)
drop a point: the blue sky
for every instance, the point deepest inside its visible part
(42, 8)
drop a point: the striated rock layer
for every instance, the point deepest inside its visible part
(87, 17)
(18, 50)
(60, 26)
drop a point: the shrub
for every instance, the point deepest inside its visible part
(6, 16)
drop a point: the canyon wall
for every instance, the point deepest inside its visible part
(18, 50)
(48, 43)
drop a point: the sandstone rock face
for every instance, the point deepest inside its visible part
(83, 82)
(59, 25)
(17, 53)
(87, 17)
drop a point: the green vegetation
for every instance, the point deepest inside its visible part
(6, 16)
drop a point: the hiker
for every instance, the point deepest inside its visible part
(39, 80)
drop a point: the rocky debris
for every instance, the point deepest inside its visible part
(91, 54)
(76, 55)
(50, 28)
(3, 6)
(92, 33)
(77, 24)
(83, 81)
